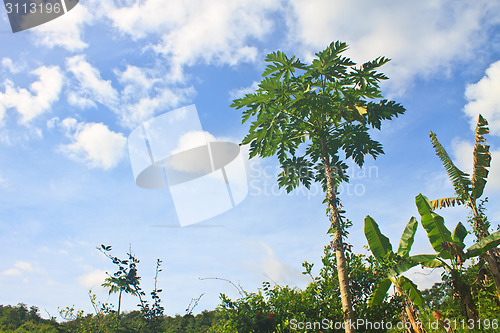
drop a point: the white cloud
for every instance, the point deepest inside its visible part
(11, 66)
(92, 88)
(422, 37)
(18, 269)
(30, 104)
(93, 144)
(217, 31)
(274, 269)
(65, 31)
(193, 139)
(146, 91)
(143, 109)
(4, 182)
(191, 161)
(241, 92)
(484, 98)
(69, 124)
(24, 266)
(92, 279)
(137, 80)
(52, 122)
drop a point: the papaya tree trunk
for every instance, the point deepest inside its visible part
(334, 217)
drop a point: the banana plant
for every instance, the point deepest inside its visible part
(470, 188)
(451, 252)
(397, 263)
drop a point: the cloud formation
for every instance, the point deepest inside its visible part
(462, 155)
(147, 91)
(423, 38)
(484, 98)
(18, 270)
(35, 101)
(273, 268)
(11, 65)
(93, 144)
(215, 31)
(93, 279)
(66, 31)
(91, 87)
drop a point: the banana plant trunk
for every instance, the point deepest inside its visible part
(334, 210)
(492, 257)
(463, 291)
(493, 263)
(411, 313)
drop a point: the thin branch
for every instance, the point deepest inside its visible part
(241, 291)
(194, 302)
(276, 283)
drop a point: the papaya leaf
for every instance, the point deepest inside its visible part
(378, 243)
(434, 226)
(408, 237)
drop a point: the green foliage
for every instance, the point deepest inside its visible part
(450, 246)
(484, 245)
(127, 280)
(20, 319)
(434, 226)
(407, 238)
(324, 105)
(410, 289)
(482, 158)
(441, 296)
(135, 322)
(460, 179)
(459, 235)
(313, 118)
(395, 264)
(468, 189)
(379, 244)
(276, 308)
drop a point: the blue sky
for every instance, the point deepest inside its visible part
(72, 90)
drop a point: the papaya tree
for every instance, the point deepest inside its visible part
(314, 117)
(469, 190)
(396, 264)
(451, 252)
